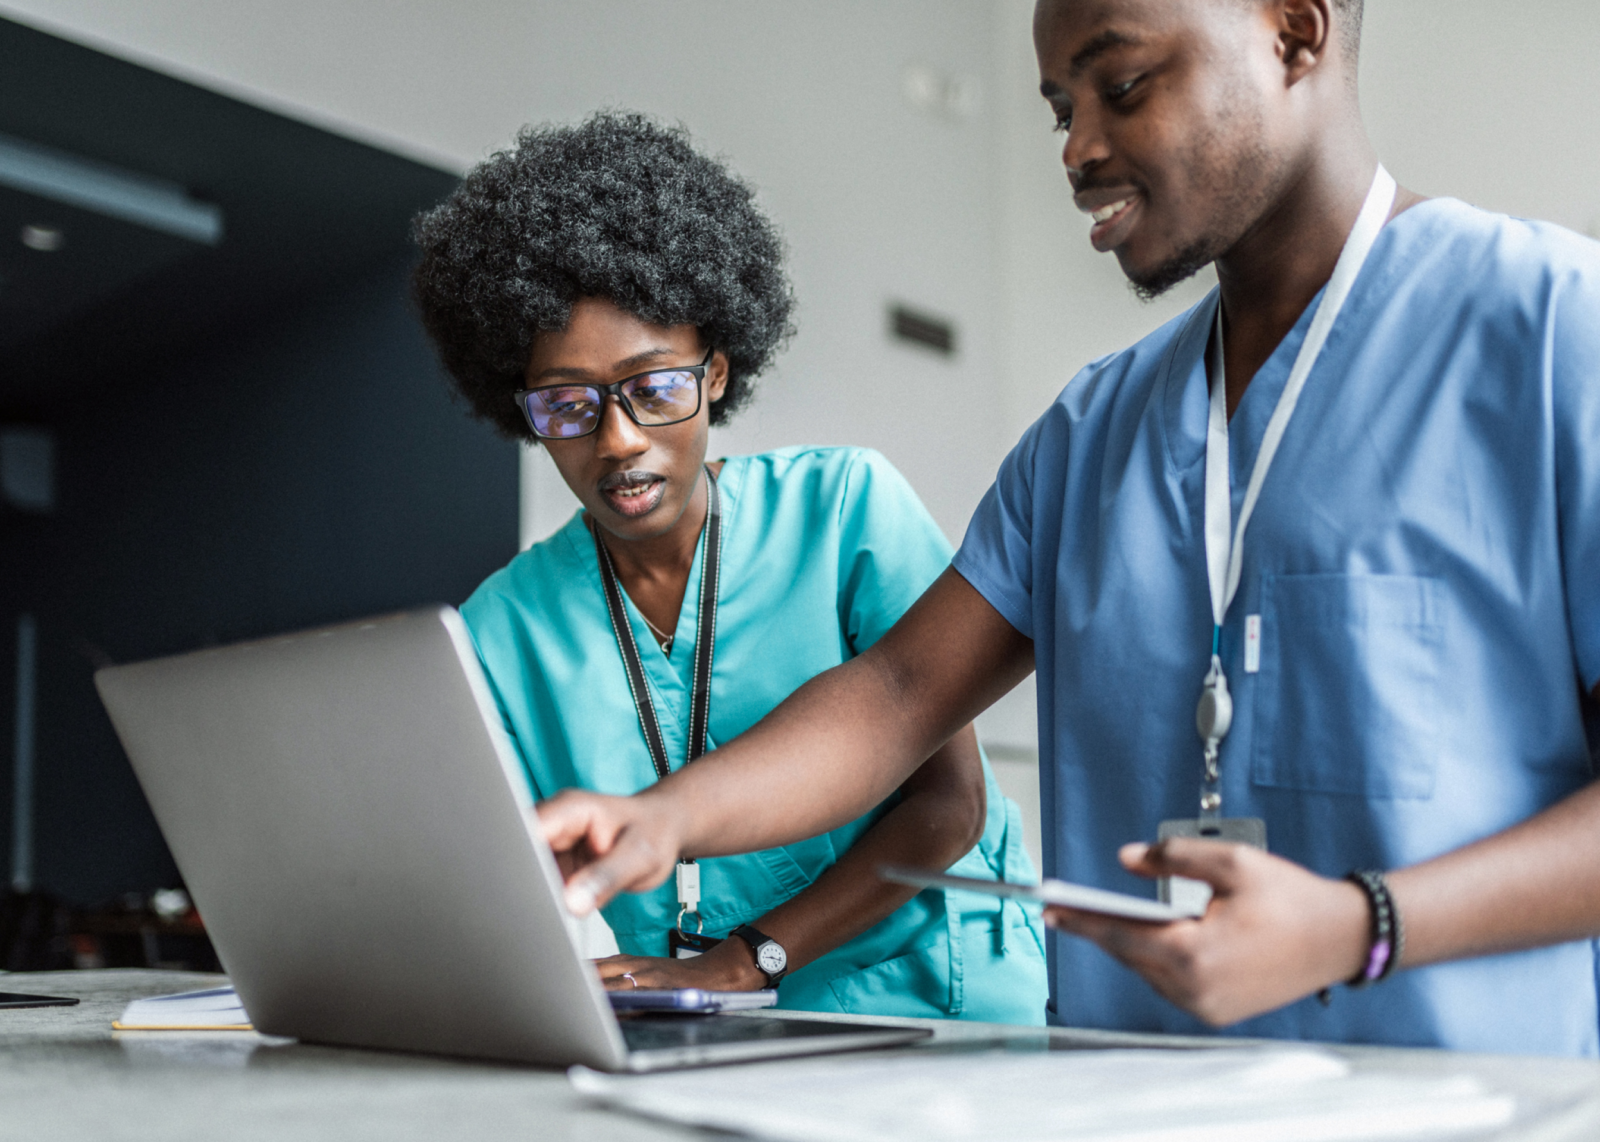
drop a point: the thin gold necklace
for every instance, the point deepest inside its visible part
(662, 636)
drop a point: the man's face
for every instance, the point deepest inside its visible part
(1177, 135)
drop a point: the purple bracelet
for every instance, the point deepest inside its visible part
(1388, 937)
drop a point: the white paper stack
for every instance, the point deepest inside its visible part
(1223, 1095)
(216, 1009)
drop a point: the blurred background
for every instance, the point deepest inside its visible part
(219, 419)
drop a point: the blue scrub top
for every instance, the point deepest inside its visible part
(1425, 562)
(823, 550)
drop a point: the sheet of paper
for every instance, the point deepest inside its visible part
(1224, 1095)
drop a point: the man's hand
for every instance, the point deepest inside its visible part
(730, 966)
(606, 845)
(1273, 932)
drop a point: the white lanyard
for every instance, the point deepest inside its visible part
(1225, 559)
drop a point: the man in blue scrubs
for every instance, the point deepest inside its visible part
(1397, 581)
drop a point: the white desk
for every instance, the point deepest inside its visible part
(65, 1076)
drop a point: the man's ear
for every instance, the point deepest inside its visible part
(716, 376)
(1305, 36)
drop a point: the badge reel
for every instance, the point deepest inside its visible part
(1213, 717)
(683, 944)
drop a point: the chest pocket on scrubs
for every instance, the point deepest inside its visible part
(1348, 697)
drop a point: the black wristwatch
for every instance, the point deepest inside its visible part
(771, 960)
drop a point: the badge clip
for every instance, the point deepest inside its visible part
(681, 943)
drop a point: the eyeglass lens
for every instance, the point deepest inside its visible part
(653, 398)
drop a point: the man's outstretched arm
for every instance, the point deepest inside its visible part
(835, 748)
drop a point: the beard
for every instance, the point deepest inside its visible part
(1218, 158)
(1188, 261)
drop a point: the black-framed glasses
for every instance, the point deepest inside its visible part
(653, 399)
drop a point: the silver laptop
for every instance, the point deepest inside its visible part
(351, 821)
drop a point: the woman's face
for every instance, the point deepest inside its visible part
(636, 482)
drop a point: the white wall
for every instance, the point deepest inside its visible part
(1490, 101)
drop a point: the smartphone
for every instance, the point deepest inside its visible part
(688, 1000)
(16, 999)
(1079, 896)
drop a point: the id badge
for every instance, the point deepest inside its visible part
(688, 945)
(1196, 894)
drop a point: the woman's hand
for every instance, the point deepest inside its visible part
(1273, 932)
(730, 966)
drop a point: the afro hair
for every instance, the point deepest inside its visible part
(616, 207)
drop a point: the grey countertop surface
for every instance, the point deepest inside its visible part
(66, 1075)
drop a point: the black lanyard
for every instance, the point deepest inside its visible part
(704, 640)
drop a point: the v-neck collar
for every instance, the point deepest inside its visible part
(1184, 393)
(1186, 399)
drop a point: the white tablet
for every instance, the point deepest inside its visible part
(1077, 896)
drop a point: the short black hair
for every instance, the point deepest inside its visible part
(618, 207)
(1348, 13)
(1352, 11)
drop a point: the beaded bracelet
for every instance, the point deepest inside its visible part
(1388, 936)
(1388, 939)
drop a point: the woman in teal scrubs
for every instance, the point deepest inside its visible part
(611, 293)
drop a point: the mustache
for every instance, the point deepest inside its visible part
(629, 479)
(1084, 184)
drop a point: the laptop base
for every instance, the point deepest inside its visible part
(669, 1042)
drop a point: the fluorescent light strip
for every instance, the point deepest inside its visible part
(156, 204)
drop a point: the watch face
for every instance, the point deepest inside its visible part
(771, 958)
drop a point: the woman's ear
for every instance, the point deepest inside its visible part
(716, 376)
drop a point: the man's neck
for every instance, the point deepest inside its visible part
(1271, 274)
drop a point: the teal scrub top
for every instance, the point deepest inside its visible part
(823, 550)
